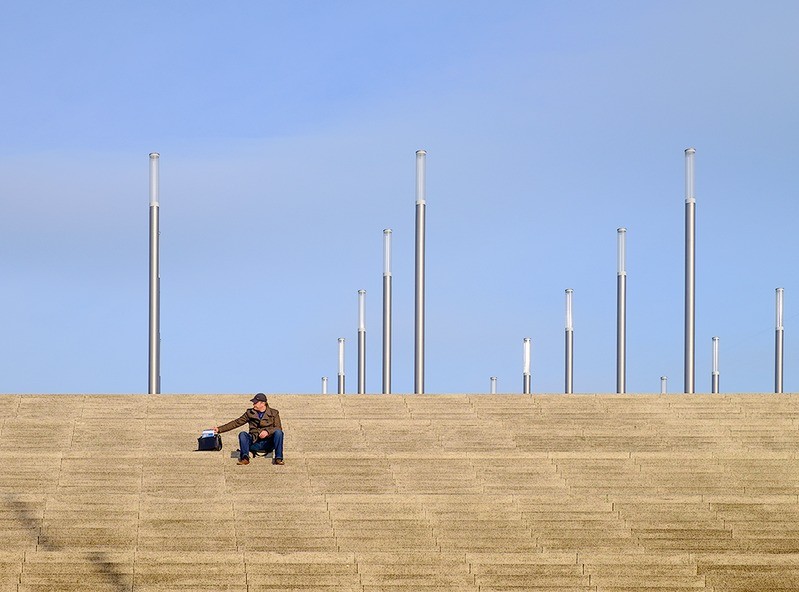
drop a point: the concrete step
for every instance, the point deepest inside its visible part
(589, 492)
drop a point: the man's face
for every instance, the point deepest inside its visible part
(259, 406)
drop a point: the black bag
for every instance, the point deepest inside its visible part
(209, 442)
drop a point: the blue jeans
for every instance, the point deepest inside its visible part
(273, 442)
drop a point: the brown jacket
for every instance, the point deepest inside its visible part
(270, 422)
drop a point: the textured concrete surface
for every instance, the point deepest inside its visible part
(406, 493)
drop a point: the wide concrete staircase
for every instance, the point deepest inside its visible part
(482, 493)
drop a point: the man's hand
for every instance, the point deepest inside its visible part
(263, 435)
(216, 429)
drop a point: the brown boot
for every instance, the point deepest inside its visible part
(244, 461)
(278, 461)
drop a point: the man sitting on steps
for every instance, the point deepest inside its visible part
(265, 432)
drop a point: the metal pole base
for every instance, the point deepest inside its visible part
(154, 378)
(418, 374)
(690, 296)
(569, 387)
(386, 334)
(621, 333)
(361, 362)
(778, 347)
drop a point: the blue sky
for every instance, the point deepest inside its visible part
(287, 134)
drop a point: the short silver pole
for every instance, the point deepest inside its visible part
(324, 385)
(526, 376)
(361, 342)
(664, 385)
(154, 374)
(387, 311)
(569, 387)
(621, 312)
(778, 344)
(714, 379)
(690, 271)
(493, 385)
(421, 204)
(341, 387)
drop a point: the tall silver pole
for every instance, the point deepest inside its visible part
(526, 376)
(569, 343)
(690, 271)
(387, 311)
(361, 342)
(664, 384)
(778, 343)
(324, 385)
(154, 374)
(341, 387)
(714, 378)
(621, 312)
(421, 204)
(493, 385)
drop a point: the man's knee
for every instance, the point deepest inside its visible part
(244, 435)
(278, 433)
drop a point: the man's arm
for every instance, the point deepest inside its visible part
(277, 423)
(266, 433)
(231, 425)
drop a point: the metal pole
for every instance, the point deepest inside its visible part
(714, 378)
(493, 385)
(387, 311)
(324, 385)
(690, 271)
(154, 366)
(664, 384)
(778, 344)
(361, 342)
(421, 204)
(341, 389)
(621, 312)
(526, 382)
(569, 389)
